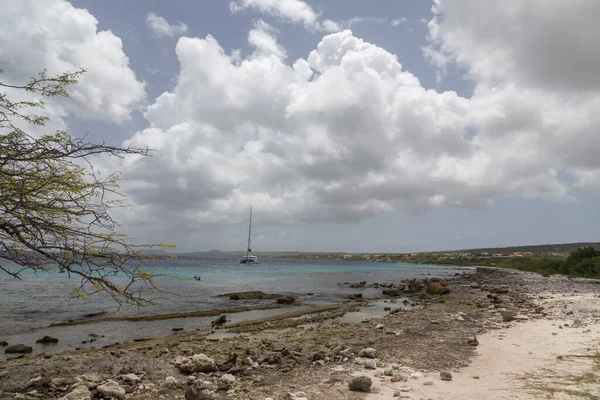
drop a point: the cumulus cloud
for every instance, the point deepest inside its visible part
(399, 21)
(342, 135)
(537, 98)
(294, 11)
(59, 37)
(160, 27)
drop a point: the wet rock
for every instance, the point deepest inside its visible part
(47, 340)
(286, 300)
(3, 343)
(111, 389)
(355, 296)
(368, 352)
(18, 349)
(445, 376)
(358, 285)
(201, 390)
(79, 393)
(473, 341)
(219, 321)
(360, 384)
(391, 292)
(177, 329)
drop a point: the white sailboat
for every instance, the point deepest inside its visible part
(249, 258)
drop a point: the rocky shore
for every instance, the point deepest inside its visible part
(313, 354)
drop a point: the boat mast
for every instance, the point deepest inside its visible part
(249, 233)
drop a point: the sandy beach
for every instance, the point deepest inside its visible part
(535, 338)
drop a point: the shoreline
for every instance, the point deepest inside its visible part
(316, 355)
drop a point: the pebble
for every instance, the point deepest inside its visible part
(417, 375)
(445, 376)
(371, 364)
(360, 384)
(296, 396)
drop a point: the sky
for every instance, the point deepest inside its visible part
(355, 126)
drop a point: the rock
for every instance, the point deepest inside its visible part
(379, 326)
(219, 321)
(296, 396)
(79, 393)
(388, 372)
(47, 340)
(197, 363)
(18, 349)
(229, 364)
(417, 375)
(228, 378)
(358, 285)
(397, 393)
(371, 364)
(130, 378)
(437, 288)
(111, 389)
(368, 352)
(473, 341)
(521, 318)
(360, 384)
(3, 343)
(508, 316)
(391, 292)
(170, 380)
(201, 390)
(445, 376)
(286, 300)
(355, 296)
(428, 383)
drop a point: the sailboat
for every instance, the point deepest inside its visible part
(249, 258)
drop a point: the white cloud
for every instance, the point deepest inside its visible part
(399, 21)
(342, 135)
(262, 38)
(59, 37)
(160, 27)
(294, 11)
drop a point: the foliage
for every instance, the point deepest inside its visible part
(55, 207)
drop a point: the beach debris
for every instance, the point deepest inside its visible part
(473, 341)
(130, 378)
(360, 384)
(201, 390)
(196, 363)
(368, 352)
(111, 389)
(296, 396)
(198, 278)
(171, 380)
(286, 300)
(18, 349)
(445, 376)
(79, 393)
(219, 321)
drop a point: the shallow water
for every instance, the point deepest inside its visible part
(27, 307)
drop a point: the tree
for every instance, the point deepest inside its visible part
(55, 207)
(582, 253)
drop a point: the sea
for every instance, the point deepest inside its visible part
(30, 305)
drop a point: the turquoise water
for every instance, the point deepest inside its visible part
(31, 304)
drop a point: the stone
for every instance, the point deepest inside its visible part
(445, 376)
(296, 396)
(196, 363)
(428, 383)
(360, 384)
(79, 393)
(201, 390)
(130, 378)
(111, 389)
(18, 349)
(286, 300)
(3, 343)
(368, 352)
(228, 378)
(473, 341)
(521, 318)
(417, 375)
(170, 380)
(397, 393)
(47, 340)
(371, 364)
(379, 326)
(219, 321)
(508, 316)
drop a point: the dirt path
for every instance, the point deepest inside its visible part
(531, 360)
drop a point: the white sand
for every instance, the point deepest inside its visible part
(525, 350)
